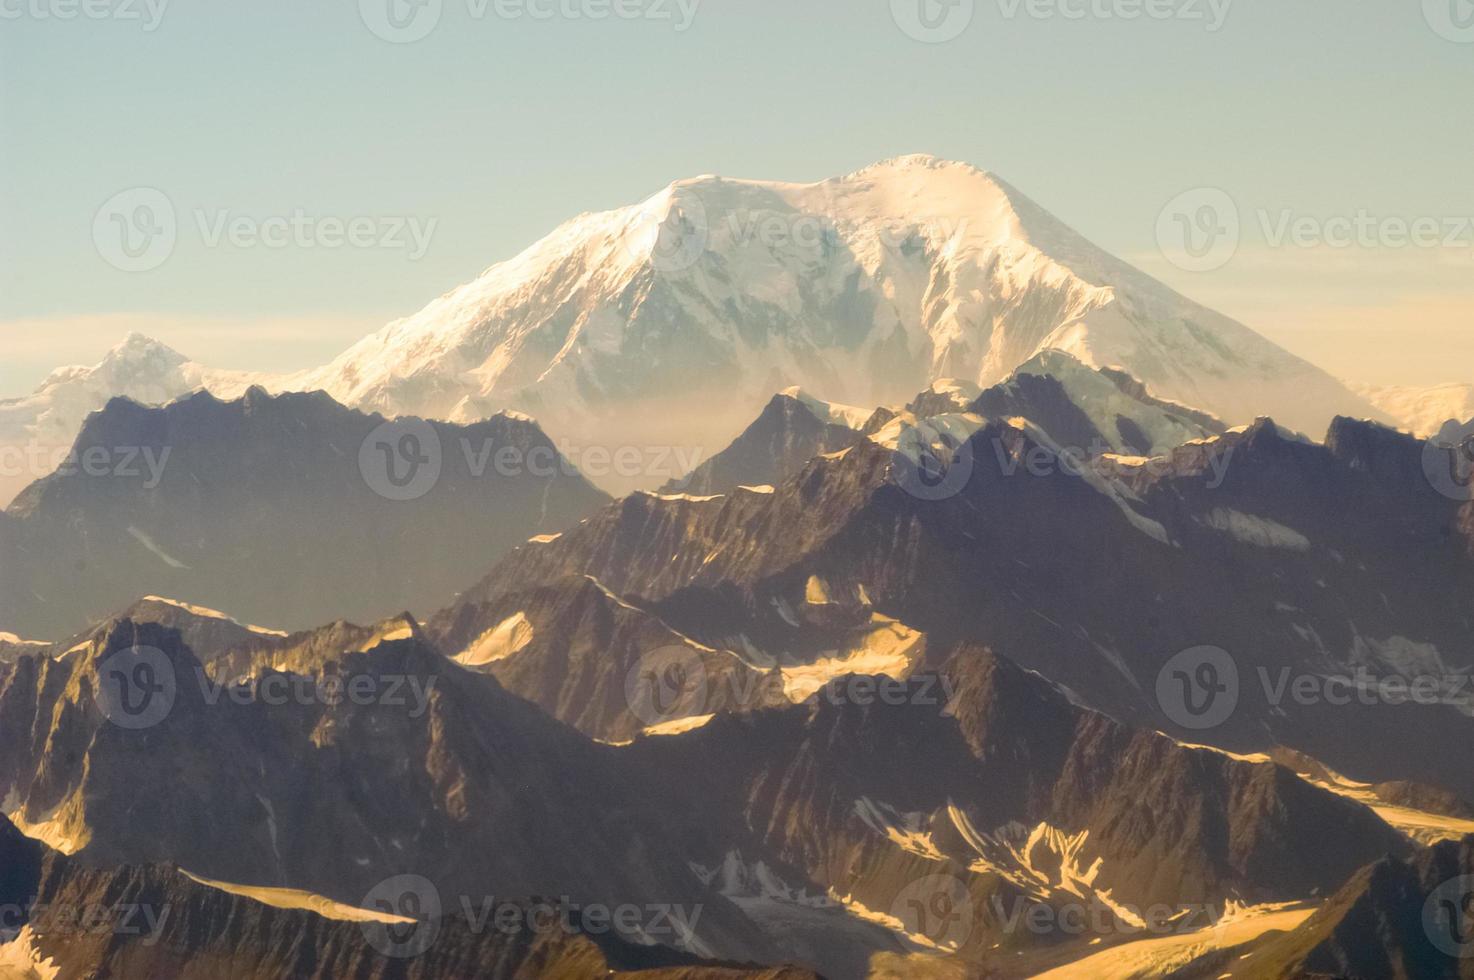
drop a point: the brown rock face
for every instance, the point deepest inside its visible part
(154, 921)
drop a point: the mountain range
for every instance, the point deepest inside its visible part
(781, 830)
(1022, 767)
(1007, 615)
(283, 509)
(862, 289)
(1094, 578)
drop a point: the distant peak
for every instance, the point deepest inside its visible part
(830, 413)
(256, 398)
(138, 341)
(136, 346)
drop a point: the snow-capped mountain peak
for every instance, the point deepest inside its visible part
(862, 289)
(619, 327)
(39, 429)
(138, 359)
(830, 413)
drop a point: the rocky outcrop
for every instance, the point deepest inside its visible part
(1404, 918)
(71, 920)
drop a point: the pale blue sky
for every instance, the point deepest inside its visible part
(499, 129)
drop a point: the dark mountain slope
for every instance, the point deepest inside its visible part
(1400, 919)
(776, 445)
(389, 762)
(1015, 797)
(154, 921)
(1298, 560)
(278, 510)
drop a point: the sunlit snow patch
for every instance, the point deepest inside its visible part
(906, 830)
(888, 649)
(205, 613)
(295, 900)
(21, 960)
(1169, 955)
(1419, 826)
(52, 829)
(510, 636)
(680, 726)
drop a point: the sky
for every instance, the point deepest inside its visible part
(482, 124)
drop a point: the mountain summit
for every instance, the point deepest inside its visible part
(37, 431)
(863, 289)
(615, 329)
